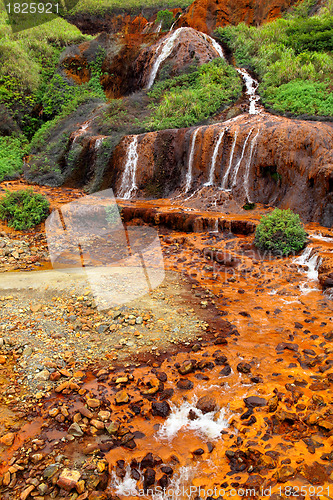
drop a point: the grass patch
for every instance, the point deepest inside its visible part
(191, 98)
(23, 209)
(132, 6)
(12, 150)
(292, 58)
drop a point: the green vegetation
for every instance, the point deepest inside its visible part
(135, 6)
(292, 58)
(280, 232)
(165, 17)
(112, 214)
(12, 150)
(23, 209)
(190, 98)
(27, 63)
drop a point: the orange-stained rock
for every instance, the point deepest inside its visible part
(285, 163)
(207, 15)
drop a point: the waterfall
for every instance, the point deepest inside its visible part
(214, 43)
(210, 181)
(81, 130)
(98, 143)
(190, 161)
(159, 27)
(311, 261)
(224, 184)
(251, 89)
(248, 167)
(128, 183)
(238, 164)
(166, 47)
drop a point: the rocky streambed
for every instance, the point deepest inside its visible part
(219, 379)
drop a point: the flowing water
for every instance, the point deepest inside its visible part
(128, 184)
(210, 181)
(164, 50)
(238, 164)
(166, 47)
(248, 166)
(224, 184)
(190, 161)
(251, 90)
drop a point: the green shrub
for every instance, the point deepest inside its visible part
(23, 209)
(292, 58)
(165, 17)
(12, 150)
(281, 232)
(191, 98)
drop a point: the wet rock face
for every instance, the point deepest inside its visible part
(284, 163)
(189, 48)
(325, 271)
(207, 15)
(119, 67)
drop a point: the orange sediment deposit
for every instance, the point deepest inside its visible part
(243, 402)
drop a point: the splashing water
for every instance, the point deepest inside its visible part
(178, 488)
(251, 91)
(225, 179)
(209, 425)
(128, 183)
(238, 164)
(308, 263)
(210, 181)
(190, 161)
(248, 167)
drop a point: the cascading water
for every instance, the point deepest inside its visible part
(98, 143)
(308, 263)
(190, 161)
(224, 184)
(238, 164)
(210, 181)
(166, 47)
(128, 183)
(214, 43)
(251, 91)
(248, 167)
(159, 27)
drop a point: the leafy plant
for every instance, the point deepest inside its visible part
(280, 232)
(166, 18)
(292, 59)
(190, 98)
(23, 209)
(12, 150)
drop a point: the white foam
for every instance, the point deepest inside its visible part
(208, 425)
(124, 486)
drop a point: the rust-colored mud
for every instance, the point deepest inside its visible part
(269, 333)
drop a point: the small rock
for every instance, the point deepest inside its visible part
(68, 479)
(207, 404)
(7, 439)
(161, 409)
